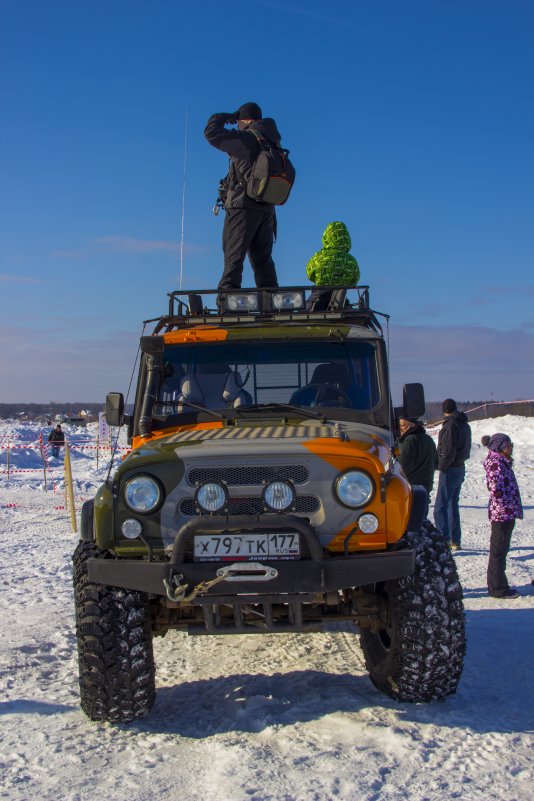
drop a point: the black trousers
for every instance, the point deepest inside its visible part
(501, 534)
(252, 232)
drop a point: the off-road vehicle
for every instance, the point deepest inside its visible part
(262, 494)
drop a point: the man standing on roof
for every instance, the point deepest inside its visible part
(250, 226)
(454, 449)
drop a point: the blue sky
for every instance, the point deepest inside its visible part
(411, 122)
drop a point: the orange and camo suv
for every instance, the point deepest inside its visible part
(261, 493)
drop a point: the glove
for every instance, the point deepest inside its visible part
(232, 118)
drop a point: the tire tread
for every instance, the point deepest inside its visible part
(115, 656)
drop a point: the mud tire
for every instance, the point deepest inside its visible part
(116, 661)
(418, 654)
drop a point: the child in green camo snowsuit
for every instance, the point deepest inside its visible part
(333, 264)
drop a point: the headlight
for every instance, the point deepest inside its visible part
(279, 496)
(211, 497)
(142, 494)
(354, 488)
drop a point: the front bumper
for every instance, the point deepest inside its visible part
(317, 573)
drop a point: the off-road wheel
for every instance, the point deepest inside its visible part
(418, 652)
(115, 655)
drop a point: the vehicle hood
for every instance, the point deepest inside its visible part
(343, 438)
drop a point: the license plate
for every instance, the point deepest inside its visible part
(245, 547)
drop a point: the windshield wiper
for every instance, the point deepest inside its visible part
(268, 407)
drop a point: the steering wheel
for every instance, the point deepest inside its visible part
(329, 395)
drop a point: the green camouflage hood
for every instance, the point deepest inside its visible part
(333, 264)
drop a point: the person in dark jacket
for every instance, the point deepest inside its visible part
(504, 508)
(418, 455)
(56, 439)
(249, 226)
(454, 449)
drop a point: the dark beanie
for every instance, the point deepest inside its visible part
(449, 406)
(249, 111)
(498, 441)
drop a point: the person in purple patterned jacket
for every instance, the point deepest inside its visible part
(504, 508)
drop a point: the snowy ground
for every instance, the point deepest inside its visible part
(257, 718)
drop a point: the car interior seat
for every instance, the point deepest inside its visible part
(326, 382)
(214, 386)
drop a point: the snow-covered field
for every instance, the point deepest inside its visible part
(257, 718)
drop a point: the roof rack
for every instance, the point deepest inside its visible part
(237, 307)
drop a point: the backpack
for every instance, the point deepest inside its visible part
(272, 174)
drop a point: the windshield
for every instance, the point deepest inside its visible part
(234, 375)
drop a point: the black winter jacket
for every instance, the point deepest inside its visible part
(56, 436)
(243, 148)
(454, 441)
(418, 457)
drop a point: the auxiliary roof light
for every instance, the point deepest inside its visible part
(283, 301)
(245, 302)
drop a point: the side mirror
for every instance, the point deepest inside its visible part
(115, 408)
(413, 400)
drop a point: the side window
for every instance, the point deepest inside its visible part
(363, 390)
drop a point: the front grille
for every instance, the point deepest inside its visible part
(249, 475)
(305, 504)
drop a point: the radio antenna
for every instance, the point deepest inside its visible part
(183, 204)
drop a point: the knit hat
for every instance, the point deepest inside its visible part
(497, 442)
(249, 111)
(449, 406)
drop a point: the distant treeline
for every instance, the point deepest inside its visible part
(481, 410)
(34, 410)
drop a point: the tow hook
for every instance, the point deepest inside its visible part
(178, 593)
(240, 571)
